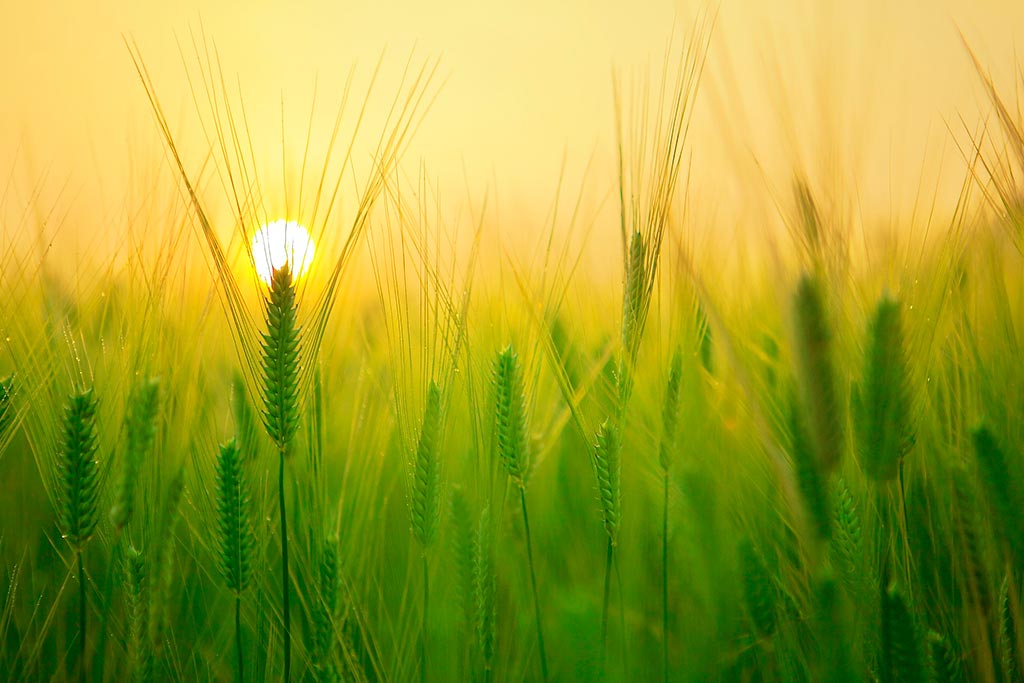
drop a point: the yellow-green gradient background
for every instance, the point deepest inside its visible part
(867, 97)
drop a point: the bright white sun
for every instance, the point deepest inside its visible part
(278, 243)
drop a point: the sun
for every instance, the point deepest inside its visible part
(281, 242)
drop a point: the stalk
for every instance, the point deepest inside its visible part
(281, 345)
(533, 583)
(285, 604)
(79, 478)
(511, 431)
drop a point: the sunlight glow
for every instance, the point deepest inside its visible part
(281, 242)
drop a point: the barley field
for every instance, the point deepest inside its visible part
(342, 419)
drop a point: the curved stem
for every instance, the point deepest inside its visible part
(533, 583)
(284, 573)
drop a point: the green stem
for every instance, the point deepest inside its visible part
(423, 625)
(284, 573)
(622, 622)
(664, 577)
(81, 616)
(533, 582)
(238, 636)
(607, 593)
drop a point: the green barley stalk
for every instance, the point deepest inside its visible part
(140, 431)
(281, 347)
(669, 427)
(78, 474)
(426, 497)
(884, 406)
(511, 432)
(235, 533)
(816, 372)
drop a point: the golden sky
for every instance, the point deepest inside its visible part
(862, 92)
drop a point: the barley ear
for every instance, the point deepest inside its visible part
(1008, 634)
(670, 411)
(426, 480)
(902, 661)
(140, 431)
(607, 467)
(759, 593)
(137, 598)
(884, 420)
(78, 471)
(281, 345)
(816, 373)
(1003, 492)
(463, 553)
(485, 584)
(234, 525)
(510, 415)
(946, 666)
(811, 479)
(324, 612)
(633, 294)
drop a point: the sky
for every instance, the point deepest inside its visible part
(871, 96)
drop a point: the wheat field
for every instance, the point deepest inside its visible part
(318, 425)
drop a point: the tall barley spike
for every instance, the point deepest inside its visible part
(884, 404)
(1008, 635)
(758, 589)
(1003, 491)
(902, 661)
(670, 411)
(463, 552)
(607, 467)
(946, 666)
(966, 526)
(846, 547)
(137, 598)
(234, 525)
(281, 349)
(140, 431)
(426, 475)
(486, 590)
(78, 474)
(836, 663)
(810, 476)
(510, 415)
(78, 470)
(281, 346)
(324, 613)
(634, 293)
(816, 372)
